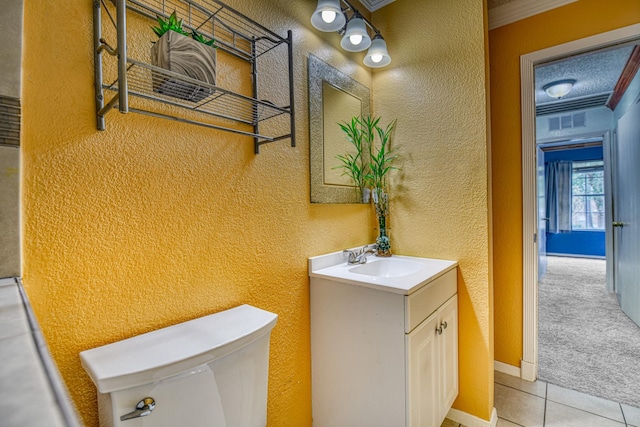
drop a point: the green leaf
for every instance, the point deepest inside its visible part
(202, 39)
(362, 133)
(172, 23)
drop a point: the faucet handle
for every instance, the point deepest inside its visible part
(364, 252)
(352, 256)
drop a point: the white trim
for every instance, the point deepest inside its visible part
(529, 215)
(607, 145)
(576, 255)
(469, 420)
(521, 9)
(505, 368)
(529, 371)
(529, 366)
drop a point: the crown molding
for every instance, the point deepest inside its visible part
(628, 73)
(521, 9)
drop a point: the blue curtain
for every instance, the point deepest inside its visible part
(558, 183)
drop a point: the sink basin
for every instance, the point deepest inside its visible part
(399, 273)
(387, 267)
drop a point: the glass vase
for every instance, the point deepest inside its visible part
(365, 194)
(383, 244)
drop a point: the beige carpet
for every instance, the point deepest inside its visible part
(586, 343)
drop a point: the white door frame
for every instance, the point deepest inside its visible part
(529, 362)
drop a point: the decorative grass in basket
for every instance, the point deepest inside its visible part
(192, 55)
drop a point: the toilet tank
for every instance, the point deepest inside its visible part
(210, 371)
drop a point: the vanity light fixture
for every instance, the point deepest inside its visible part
(356, 38)
(330, 16)
(559, 88)
(377, 56)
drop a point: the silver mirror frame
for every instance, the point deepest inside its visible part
(319, 72)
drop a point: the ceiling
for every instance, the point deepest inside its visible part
(596, 74)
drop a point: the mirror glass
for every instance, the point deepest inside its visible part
(338, 106)
(334, 97)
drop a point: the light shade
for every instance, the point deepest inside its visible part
(377, 56)
(356, 38)
(328, 16)
(559, 88)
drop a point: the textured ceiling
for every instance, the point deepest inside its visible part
(595, 73)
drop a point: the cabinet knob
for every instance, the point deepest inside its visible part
(441, 328)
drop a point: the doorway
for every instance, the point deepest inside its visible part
(586, 342)
(572, 193)
(529, 363)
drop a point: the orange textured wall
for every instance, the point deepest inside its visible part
(506, 44)
(152, 222)
(436, 86)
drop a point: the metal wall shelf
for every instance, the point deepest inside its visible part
(234, 33)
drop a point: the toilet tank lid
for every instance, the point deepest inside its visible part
(166, 352)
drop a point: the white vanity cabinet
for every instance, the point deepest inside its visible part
(383, 355)
(432, 360)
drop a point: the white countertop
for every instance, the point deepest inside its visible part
(334, 267)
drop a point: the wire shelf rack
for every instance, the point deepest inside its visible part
(233, 33)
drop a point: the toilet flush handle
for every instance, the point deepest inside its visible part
(143, 408)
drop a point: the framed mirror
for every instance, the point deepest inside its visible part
(334, 97)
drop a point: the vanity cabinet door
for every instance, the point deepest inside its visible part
(432, 375)
(422, 375)
(448, 349)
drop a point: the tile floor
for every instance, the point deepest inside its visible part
(525, 404)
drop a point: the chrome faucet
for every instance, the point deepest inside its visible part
(362, 258)
(359, 256)
(351, 256)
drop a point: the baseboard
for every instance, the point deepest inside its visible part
(576, 255)
(528, 370)
(469, 420)
(514, 371)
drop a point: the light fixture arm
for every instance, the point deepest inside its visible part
(354, 11)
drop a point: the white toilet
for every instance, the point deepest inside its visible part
(211, 371)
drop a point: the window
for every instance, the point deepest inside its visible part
(587, 196)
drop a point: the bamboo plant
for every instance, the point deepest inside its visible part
(353, 165)
(371, 176)
(361, 132)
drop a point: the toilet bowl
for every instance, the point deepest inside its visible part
(210, 371)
